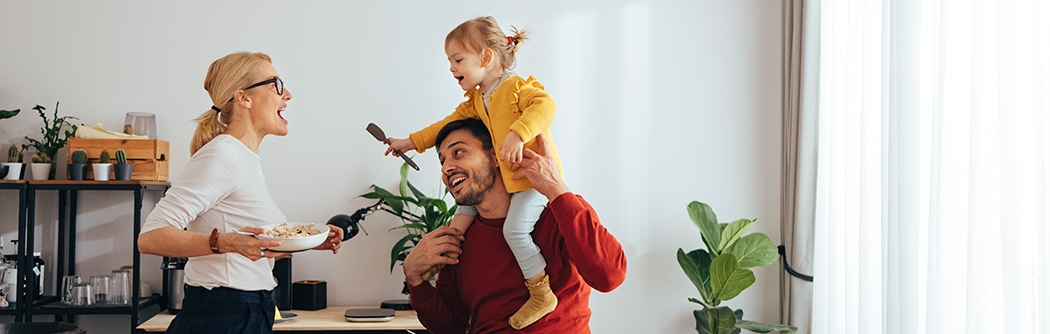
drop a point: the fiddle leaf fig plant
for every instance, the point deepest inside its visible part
(419, 214)
(722, 270)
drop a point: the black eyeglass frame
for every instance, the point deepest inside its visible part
(278, 85)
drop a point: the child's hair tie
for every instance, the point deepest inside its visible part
(510, 39)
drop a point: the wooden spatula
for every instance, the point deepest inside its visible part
(378, 133)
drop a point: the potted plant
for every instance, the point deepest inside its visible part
(103, 166)
(15, 167)
(419, 214)
(122, 169)
(53, 139)
(78, 167)
(3, 115)
(721, 271)
(41, 166)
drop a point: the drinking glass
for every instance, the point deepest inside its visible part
(120, 287)
(100, 286)
(82, 294)
(142, 124)
(68, 283)
(11, 283)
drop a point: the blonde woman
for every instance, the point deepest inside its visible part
(228, 277)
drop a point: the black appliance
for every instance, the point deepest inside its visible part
(282, 294)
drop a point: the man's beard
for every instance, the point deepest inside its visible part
(483, 179)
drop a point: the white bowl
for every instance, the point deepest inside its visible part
(295, 244)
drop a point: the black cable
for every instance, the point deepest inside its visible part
(787, 267)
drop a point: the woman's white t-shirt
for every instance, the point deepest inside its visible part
(222, 187)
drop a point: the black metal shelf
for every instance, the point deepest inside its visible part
(66, 246)
(58, 307)
(8, 310)
(18, 308)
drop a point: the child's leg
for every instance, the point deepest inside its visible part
(525, 209)
(461, 220)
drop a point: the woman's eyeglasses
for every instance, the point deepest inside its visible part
(277, 84)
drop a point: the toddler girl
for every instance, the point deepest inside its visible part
(515, 111)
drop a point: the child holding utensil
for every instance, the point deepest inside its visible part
(516, 110)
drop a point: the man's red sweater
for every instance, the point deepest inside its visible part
(487, 287)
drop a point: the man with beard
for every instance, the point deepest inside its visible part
(483, 287)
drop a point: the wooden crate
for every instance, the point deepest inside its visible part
(149, 157)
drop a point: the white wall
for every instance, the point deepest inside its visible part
(660, 103)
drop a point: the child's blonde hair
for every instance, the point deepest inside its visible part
(225, 76)
(482, 32)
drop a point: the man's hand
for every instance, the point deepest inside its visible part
(540, 170)
(428, 253)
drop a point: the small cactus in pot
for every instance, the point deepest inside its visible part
(79, 156)
(41, 158)
(122, 158)
(42, 166)
(14, 154)
(15, 169)
(103, 167)
(78, 165)
(122, 170)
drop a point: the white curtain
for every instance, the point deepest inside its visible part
(932, 171)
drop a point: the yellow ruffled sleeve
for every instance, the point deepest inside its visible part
(534, 109)
(427, 137)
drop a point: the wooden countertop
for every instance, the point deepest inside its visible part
(328, 319)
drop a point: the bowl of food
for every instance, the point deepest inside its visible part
(294, 236)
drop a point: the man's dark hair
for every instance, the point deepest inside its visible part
(474, 125)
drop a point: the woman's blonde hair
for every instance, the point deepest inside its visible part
(225, 76)
(482, 32)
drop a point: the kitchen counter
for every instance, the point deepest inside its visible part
(328, 320)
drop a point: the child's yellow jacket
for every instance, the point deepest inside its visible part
(519, 105)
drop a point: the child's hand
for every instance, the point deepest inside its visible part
(401, 145)
(510, 150)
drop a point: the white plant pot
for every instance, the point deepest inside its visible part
(14, 171)
(101, 171)
(41, 171)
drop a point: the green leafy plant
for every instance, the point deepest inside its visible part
(103, 158)
(14, 154)
(53, 139)
(122, 158)
(9, 113)
(721, 271)
(79, 156)
(419, 214)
